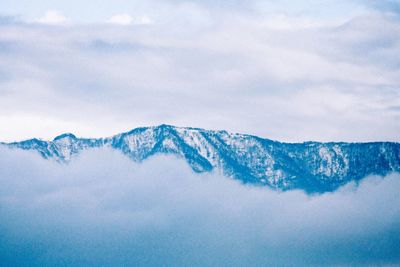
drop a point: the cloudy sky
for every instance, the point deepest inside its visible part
(285, 70)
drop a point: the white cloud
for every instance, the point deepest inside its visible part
(205, 68)
(144, 20)
(104, 210)
(121, 19)
(52, 17)
(125, 19)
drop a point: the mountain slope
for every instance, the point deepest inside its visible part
(310, 166)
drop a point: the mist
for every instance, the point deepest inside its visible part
(102, 209)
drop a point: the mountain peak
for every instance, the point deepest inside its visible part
(311, 166)
(65, 135)
(166, 126)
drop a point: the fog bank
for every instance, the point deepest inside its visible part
(104, 210)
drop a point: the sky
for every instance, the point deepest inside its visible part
(285, 70)
(105, 210)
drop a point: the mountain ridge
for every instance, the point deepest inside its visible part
(310, 166)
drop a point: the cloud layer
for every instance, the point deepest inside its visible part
(104, 210)
(290, 76)
(52, 17)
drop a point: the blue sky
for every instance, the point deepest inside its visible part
(99, 11)
(285, 70)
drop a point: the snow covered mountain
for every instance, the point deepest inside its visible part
(310, 166)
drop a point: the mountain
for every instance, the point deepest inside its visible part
(309, 166)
